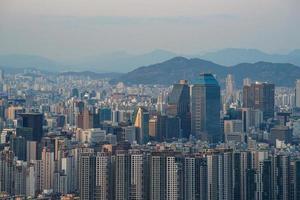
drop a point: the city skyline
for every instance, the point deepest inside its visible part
(69, 136)
(150, 100)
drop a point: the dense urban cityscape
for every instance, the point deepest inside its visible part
(149, 100)
(72, 137)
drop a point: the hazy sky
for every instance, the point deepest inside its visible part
(65, 29)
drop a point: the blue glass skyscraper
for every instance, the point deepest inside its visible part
(205, 108)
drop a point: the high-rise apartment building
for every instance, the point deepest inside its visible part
(48, 168)
(87, 174)
(136, 175)
(157, 173)
(103, 176)
(297, 94)
(7, 163)
(121, 175)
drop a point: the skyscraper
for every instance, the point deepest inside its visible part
(103, 176)
(297, 180)
(297, 93)
(157, 176)
(282, 168)
(34, 121)
(179, 106)
(246, 81)
(189, 177)
(87, 174)
(260, 96)
(48, 168)
(122, 175)
(7, 163)
(136, 176)
(153, 130)
(141, 123)
(201, 178)
(205, 108)
(173, 178)
(229, 86)
(105, 114)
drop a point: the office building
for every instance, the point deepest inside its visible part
(205, 108)
(260, 96)
(282, 133)
(105, 114)
(141, 123)
(229, 87)
(34, 122)
(179, 106)
(297, 94)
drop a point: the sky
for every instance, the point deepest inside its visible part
(68, 29)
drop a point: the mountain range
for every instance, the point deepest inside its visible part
(177, 68)
(232, 56)
(124, 62)
(104, 63)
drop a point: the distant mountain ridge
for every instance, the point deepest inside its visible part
(105, 63)
(19, 61)
(124, 62)
(177, 68)
(92, 75)
(234, 56)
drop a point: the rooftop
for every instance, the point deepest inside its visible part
(206, 79)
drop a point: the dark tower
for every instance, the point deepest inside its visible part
(34, 121)
(205, 108)
(179, 106)
(260, 96)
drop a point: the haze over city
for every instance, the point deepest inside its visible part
(65, 30)
(150, 100)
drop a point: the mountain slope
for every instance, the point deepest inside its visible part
(28, 61)
(177, 68)
(113, 62)
(122, 61)
(233, 56)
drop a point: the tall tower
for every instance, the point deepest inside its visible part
(157, 174)
(260, 96)
(1, 79)
(34, 121)
(7, 165)
(48, 168)
(103, 176)
(179, 106)
(136, 175)
(87, 164)
(205, 108)
(141, 123)
(229, 86)
(189, 178)
(122, 175)
(246, 81)
(173, 178)
(297, 95)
